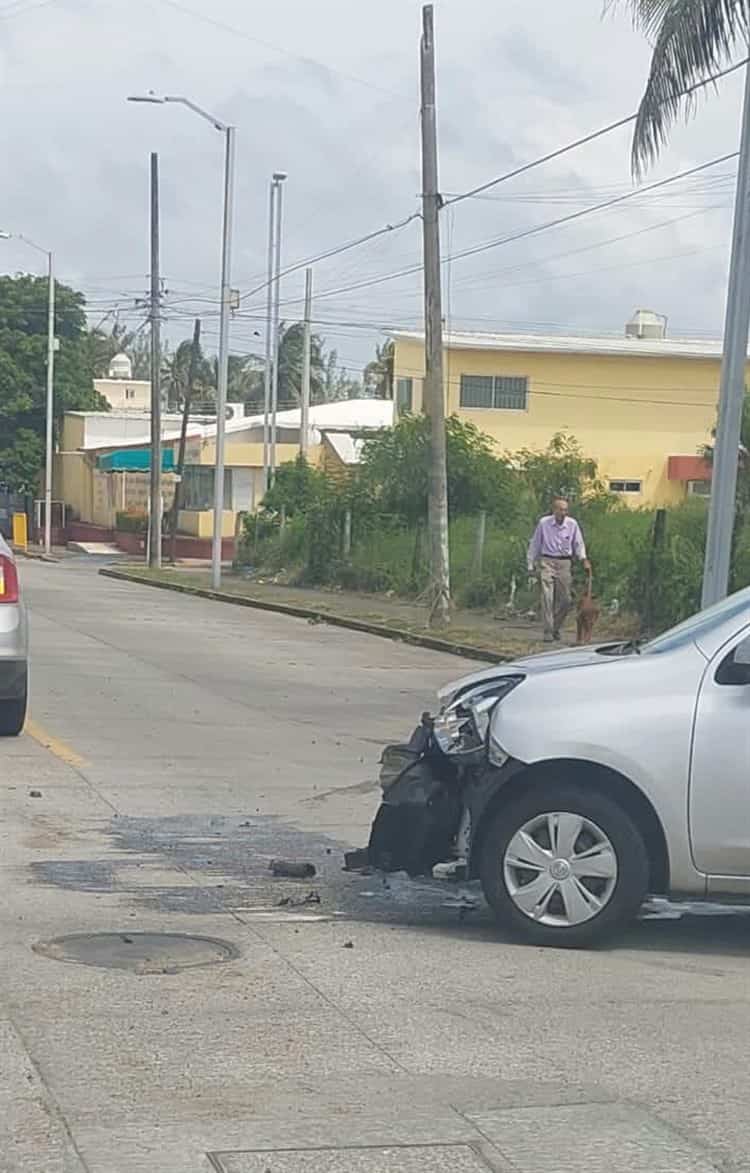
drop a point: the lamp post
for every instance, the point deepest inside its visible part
(226, 260)
(50, 382)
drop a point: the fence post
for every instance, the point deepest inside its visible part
(479, 543)
(658, 534)
(282, 522)
(347, 532)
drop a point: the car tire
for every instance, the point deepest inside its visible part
(581, 910)
(13, 716)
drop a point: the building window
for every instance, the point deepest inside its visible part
(130, 392)
(404, 395)
(625, 486)
(198, 487)
(507, 392)
(699, 488)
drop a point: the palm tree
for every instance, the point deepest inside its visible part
(692, 39)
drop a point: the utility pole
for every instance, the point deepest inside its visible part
(279, 178)
(155, 510)
(304, 432)
(50, 405)
(433, 313)
(732, 393)
(221, 389)
(192, 372)
(268, 374)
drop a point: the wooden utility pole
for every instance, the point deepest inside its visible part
(434, 403)
(304, 433)
(155, 502)
(192, 372)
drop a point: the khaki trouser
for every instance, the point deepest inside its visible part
(556, 576)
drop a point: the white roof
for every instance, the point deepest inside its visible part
(341, 413)
(109, 429)
(569, 344)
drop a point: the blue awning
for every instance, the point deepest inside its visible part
(134, 460)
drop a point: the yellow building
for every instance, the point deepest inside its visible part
(642, 405)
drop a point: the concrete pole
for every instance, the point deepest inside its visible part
(279, 178)
(268, 374)
(154, 519)
(50, 405)
(304, 434)
(732, 392)
(221, 390)
(433, 383)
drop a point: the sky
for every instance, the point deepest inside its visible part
(329, 93)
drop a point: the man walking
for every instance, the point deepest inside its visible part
(556, 542)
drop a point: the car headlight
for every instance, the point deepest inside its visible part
(463, 725)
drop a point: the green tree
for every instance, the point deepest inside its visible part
(378, 374)
(691, 40)
(560, 470)
(175, 369)
(23, 363)
(394, 471)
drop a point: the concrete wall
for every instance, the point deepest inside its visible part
(629, 413)
(201, 525)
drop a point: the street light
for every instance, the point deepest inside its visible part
(271, 380)
(50, 382)
(226, 259)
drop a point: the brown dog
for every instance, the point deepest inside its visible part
(588, 613)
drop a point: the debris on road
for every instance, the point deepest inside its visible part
(35, 794)
(348, 944)
(299, 901)
(293, 869)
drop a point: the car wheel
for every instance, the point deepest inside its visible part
(12, 716)
(564, 866)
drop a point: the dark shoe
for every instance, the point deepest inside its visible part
(548, 637)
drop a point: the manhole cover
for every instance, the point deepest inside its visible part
(139, 952)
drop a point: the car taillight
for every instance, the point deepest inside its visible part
(8, 580)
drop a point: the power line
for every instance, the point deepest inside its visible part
(333, 252)
(500, 241)
(581, 142)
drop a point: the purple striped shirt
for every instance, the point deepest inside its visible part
(553, 539)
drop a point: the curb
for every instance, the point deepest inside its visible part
(400, 635)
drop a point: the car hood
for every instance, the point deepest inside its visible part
(556, 661)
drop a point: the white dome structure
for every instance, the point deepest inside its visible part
(121, 367)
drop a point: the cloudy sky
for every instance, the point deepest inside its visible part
(328, 91)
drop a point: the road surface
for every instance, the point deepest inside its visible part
(176, 746)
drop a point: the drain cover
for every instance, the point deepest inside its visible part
(138, 952)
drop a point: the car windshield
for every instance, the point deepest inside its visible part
(692, 629)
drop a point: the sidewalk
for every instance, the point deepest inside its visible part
(491, 635)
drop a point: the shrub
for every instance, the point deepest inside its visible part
(131, 522)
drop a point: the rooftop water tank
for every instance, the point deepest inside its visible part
(121, 367)
(646, 324)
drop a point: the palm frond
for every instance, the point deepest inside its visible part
(692, 40)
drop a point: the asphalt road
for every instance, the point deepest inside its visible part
(175, 747)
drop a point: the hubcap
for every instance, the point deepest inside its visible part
(560, 869)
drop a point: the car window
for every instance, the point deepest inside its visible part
(697, 625)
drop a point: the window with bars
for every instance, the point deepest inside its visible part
(504, 392)
(404, 395)
(625, 486)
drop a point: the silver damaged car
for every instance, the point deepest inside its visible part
(574, 783)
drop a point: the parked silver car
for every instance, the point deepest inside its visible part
(13, 647)
(574, 783)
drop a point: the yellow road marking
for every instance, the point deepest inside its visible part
(54, 745)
